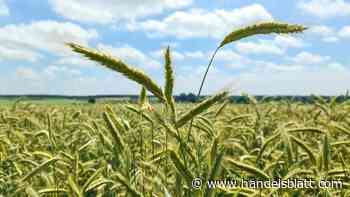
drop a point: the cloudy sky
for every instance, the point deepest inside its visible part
(35, 61)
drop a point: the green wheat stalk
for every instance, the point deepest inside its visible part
(262, 28)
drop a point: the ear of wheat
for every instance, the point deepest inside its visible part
(262, 28)
(119, 66)
(114, 131)
(143, 96)
(169, 76)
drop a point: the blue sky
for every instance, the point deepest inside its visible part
(34, 60)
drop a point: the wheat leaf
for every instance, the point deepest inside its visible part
(74, 187)
(222, 107)
(201, 107)
(38, 169)
(92, 178)
(215, 170)
(339, 143)
(96, 183)
(121, 179)
(52, 191)
(31, 192)
(326, 153)
(337, 172)
(306, 129)
(266, 143)
(306, 148)
(250, 169)
(181, 167)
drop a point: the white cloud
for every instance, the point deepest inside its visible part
(345, 32)
(260, 47)
(202, 23)
(49, 80)
(337, 66)
(330, 39)
(327, 34)
(26, 73)
(257, 66)
(175, 55)
(48, 73)
(325, 81)
(195, 54)
(75, 61)
(170, 44)
(325, 8)
(286, 42)
(130, 55)
(322, 30)
(228, 56)
(232, 60)
(217, 80)
(4, 10)
(263, 78)
(55, 80)
(309, 58)
(277, 46)
(113, 10)
(225, 57)
(52, 71)
(88, 85)
(283, 67)
(48, 36)
(180, 56)
(13, 53)
(268, 78)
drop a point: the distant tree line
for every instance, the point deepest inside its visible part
(183, 97)
(190, 97)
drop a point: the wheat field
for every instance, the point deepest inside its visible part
(118, 150)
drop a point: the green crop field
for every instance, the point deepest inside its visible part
(41, 101)
(103, 150)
